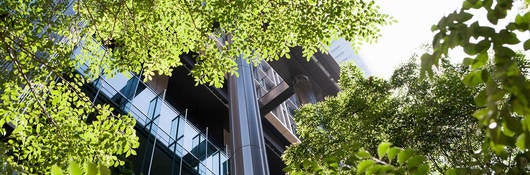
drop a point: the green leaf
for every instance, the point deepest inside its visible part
(468, 61)
(74, 169)
(382, 149)
(55, 170)
(427, 61)
(480, 60)
(481, 98)
(492, 16)
(470, 49)
(434, 28)
(485, 31)
(104, 170)
(526, 123)
(512, 123)
(463, 16)
(364, 165)
(472, 2)
(362, 154)
(482, 46)
(487, 4)
(334, 165)
(507, 37)
(415, 161)
(497, 148)
(482, 115)
(466, 5)
(91, 169)
(404, 155)
(506, 130)
(392, 153)
(502, 54)
(451, 171)
(473, 78)
(422, 170)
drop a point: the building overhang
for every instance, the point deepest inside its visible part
(284, 131)
(321, 68)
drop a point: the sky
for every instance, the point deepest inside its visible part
(400, 40)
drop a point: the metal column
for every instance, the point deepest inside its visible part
(248, 147)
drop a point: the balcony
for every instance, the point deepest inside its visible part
(168, 126)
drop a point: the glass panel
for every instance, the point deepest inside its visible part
(117, 82)
(174, 128)
(225, 165)
(187, 139)
(170, 128)
(164, 121)
(215, 163)
(141, 106)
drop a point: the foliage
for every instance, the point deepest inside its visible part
(435, 116)
(392, 160)
(504, 89)
(432, 116)
(55, 122)
(41, 97)
(151, 35)
(334, 130)
(75, 168)
(69, 129)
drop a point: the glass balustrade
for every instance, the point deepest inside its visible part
(167, 125)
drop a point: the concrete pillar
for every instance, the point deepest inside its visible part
(248, 145)
(303, 88)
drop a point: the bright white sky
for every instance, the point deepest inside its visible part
(401, 39)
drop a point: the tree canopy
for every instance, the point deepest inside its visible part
(55, 121)
(52, 127)
(334, 130)
(465, 120)
(495, 68)
(150, 35)
(432, 117)
(435, 116)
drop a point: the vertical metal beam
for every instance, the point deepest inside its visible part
(248, 147)
(152, 156)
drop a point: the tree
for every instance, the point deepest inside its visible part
(41, 96)
(80, 169)
(398, 161)
(432, 116)
(150, 35)
(334, 130)
(69, 129)
(503, 99)
(436, 118)
(339, 134)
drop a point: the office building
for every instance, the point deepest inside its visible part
(242, 128)
(342, 51)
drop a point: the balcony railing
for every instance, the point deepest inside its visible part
(165, 123)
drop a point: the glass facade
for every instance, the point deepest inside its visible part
(188, 149)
